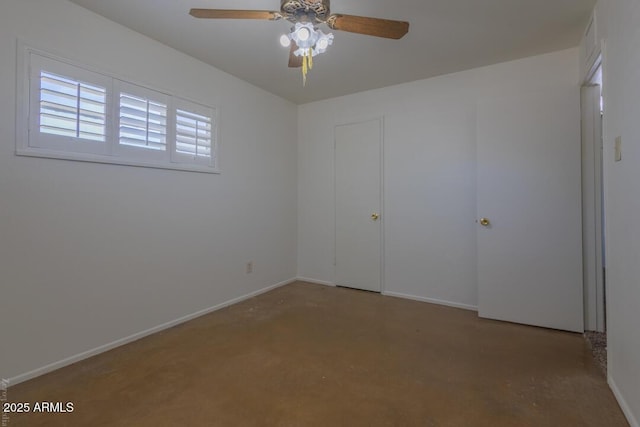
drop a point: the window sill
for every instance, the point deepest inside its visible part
(97, 158)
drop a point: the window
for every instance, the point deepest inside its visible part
(193, 134)
(195, 138)
(72, 108)
(67, 108)
(142, 123)
(77, 114)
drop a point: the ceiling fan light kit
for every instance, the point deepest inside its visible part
(308, 39)
(305, 39)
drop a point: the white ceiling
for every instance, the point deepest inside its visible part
(445, 36)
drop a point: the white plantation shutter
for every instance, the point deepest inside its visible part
(72, 108)
(68, 107)
(143, 123)
(193, 134)
(142, 117)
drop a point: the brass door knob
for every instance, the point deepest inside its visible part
(375, 216)
(485, 222)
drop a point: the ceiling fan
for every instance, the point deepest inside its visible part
(305, 39)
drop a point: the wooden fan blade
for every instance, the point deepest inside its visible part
(370, 26)
(234, 14)
(294, 61)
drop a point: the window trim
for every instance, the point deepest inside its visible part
(24, 110)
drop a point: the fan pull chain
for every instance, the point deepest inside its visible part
(304, 70)
(307, 64)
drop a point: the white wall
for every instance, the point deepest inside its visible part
(618, 25)
(93, 253)
(430, 205)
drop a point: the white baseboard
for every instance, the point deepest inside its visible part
(126, 340)
(315, 282)
(633, 421)
(431, 301)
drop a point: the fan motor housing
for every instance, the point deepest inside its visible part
(318, 10)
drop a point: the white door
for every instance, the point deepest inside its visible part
(358, 191)
(594, 315)
(528, 187)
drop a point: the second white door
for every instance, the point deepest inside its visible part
(358, 198)
(529, 210)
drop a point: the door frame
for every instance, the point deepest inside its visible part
(354, 121)
(595, 316)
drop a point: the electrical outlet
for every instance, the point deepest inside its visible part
(250, 267)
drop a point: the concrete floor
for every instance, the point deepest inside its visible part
(308, 355)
